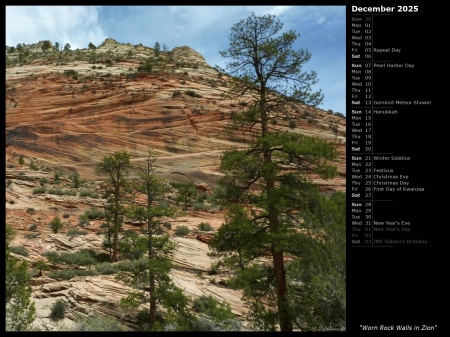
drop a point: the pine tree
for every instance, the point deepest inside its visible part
(56, 225)
(267, 184)
(116, 166)
(186, 193)
(46, 45)
(20, 310)
(157, 48)
(151, 276)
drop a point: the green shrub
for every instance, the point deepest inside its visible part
(190, 93)
(83, 220)
(96, 322)
(19, 250)
(30, 210)
(57, 176)
(200, 206)
(106, 268)
(102, 257)
(75, 177)
(182, 230)
(58, 310)
(67, 274)
(43, 181)
(84, 257)
(176, 93)
(94, 213)
(213, 269)
(167, 225)
(64, 274)
(215, 309)
(33, 166)
(135, 266)
(206, 324)
(71, 72)
(41, 266)
(333, 128)
(32, 227)
(89, 193)
(56, 224)
(74, 231)
(60, 191)
(306, 114)
(147, 67)
(40, 190)
(26, 178)
(204, 226)
(132, 75)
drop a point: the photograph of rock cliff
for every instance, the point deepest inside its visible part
(156, 181)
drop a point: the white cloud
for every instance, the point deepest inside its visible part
(263, 10)
(65, 24)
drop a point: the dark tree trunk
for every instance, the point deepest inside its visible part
(278, 265)
(277, 250)
(115, 247)
(152, 279)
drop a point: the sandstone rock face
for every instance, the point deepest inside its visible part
(187, 54)
(67, 110)
(71, 122)
(102, 293)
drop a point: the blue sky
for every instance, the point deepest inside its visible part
(203, 28)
